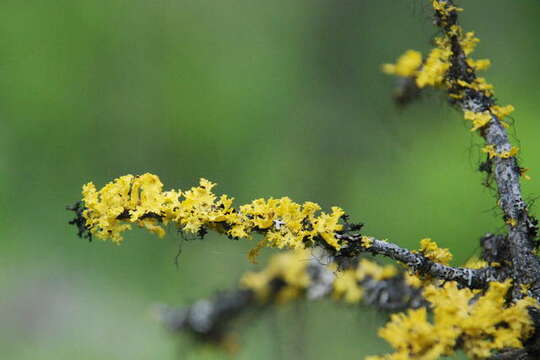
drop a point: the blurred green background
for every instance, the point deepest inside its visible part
(266, 98)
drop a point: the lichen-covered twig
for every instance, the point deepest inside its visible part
(310, 277)
(303, 276)
(506, 171)
(141, 200)
(295, 276)
(417, 262)
(450, 66)
(460, 314)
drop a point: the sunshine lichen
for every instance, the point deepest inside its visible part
(289, 267)
(432, 251)
(290, 272)
(479, 119)
(505, 154)
(450, 56)
(346, 287)
(406, 65)
(481, 327)
(436, 66)
(140, 200)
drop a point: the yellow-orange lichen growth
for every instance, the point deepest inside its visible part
(482, 326)
(479, 119)
(492, 152)
(140, 200)
(290, 269)
(375, 271)
(432, 251)
(366, 241)
(406, 65)
(435, 68)
(433, 71)
(346, 287)
(480, 64)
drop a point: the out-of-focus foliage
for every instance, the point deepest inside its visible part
(267, 99)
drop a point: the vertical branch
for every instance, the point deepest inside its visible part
(521, 225)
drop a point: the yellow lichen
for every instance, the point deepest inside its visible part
(375, 271)
(482, 326)
(327, 224)
(406, 65)
(413, 280)
(479, 119)
(290, 270)
(479, 84)
(524, 288)
(443, 8)
(346, 287)
(413, 337)
(141, 200)
(366, 241)
(432, 251)
(512, 222)
(502, 111)
(476, 263)
(435, 68)
(468, 42)
(480, 64)
(492, 152)
(290, 267)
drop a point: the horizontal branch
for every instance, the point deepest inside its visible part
(340, 238)
(471, 278)
(210, 320)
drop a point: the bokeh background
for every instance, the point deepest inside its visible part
(266, 98)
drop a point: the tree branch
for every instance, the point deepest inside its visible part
(210, 320)
(352, 247)
(521, 226)
(471, 278)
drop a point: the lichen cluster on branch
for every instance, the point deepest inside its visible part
(482, 308)
(449, 66)
(462, 319)
(436, 71)
(477, 321)
(141, 200)
(296, 275)
(292, 271)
